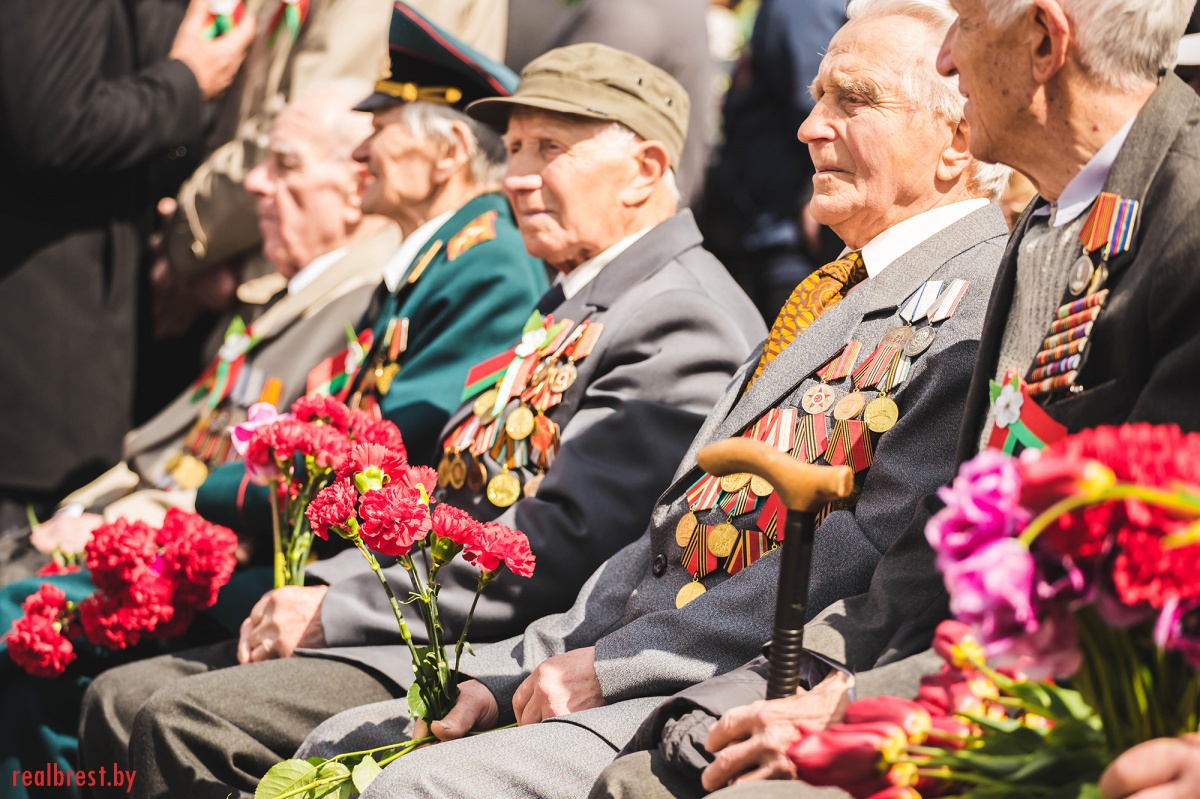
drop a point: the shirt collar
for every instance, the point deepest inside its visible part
(394, 272)
(1085, 187)
(574, 281)
(314, 270)
(886, 247)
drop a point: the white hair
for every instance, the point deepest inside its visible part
(618, 139)
(1123, 44)
(486, 155)
(923, 85)
(324, 114)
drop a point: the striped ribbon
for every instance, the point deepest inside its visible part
(841, 364)
(1110, 224)
(948, 302)
(915, 308)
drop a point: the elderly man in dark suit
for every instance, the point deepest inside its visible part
(591, 143)
(1126, 135)
(690, 598)
(94, 101)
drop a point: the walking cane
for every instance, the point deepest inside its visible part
(804, 489)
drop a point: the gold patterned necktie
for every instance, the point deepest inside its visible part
(815, 295)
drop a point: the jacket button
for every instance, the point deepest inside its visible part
(660, 564)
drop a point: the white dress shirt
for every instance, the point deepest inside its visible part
(879, 253)
(574, 281)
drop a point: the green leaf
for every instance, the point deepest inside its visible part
(285, 777)
(417, 706)
(337, 790)
(365, 773)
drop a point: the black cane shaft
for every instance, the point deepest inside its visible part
(787, 637)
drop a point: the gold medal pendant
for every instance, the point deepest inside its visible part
(445, 466)
(881, 414)
(722, 538)
(688, 593)
(385, 376)
(190, 472)
(533, 484)
(476, 476)
(458, 472)
(484, 404)
(849, 406)
(733, 483)
(685, 528)
(504, 489)
(520, 423)
(543, 372)
(897, 337)
(564, 377)
(760, 487)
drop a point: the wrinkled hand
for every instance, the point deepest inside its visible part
(1165, 768)
(751, 742)
(283, 621)
(562, 684)
(65, 533)
(476, 709)
(214, 63)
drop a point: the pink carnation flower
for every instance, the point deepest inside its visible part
(393, 518)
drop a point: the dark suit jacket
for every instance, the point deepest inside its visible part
(90, 109)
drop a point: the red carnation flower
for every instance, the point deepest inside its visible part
(200, 564)
(366, 429)
(455, 524)
(322, 408)
(48, 601)
(1145, 572)
(37, 645)
(423, 476)
(393, 518)
(121, 619)
(327, 446)
(120, 553)
(333, 505)
(496, 544)
(182, 525)
(362, 457)
(54, 568)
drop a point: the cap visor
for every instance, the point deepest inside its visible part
(494, 111)
(377, 100)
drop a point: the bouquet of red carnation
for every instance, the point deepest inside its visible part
(296, 454)
(382, 505)
(150, 585)
(1080, 561)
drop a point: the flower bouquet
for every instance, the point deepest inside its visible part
(382, 505)
(150, 585)
(1080, 561)
(294, 454)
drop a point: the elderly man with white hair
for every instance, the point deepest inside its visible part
(692, 597)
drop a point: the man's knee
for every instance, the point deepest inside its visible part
(644, 775)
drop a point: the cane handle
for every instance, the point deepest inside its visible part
(802, 487)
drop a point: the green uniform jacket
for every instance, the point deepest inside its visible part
(460, 312)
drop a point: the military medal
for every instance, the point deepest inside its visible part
(533, 484)
(897, 337)
(849, 406)
(563, 377)
(685, 528)
(443, 470)
(190, 472)
(504, 489)
(689, 592)
(520, 423)
(1081, 275)
(476, 476)
(921, 340)
(458, 472)
(881, 414)
(484, 404)
(818, 399)
(732, 483)
(721, 539)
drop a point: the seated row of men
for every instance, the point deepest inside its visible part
(880, 361)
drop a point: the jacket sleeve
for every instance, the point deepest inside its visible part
(61, 117)
(725, 626)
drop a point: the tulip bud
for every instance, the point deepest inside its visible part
(896, 792)
(957, 645)
(1035, 722)
(904, 713)
(955, 692)
(1046, 480)
(846, 754)
(950, 732)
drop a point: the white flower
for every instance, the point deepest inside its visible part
(234, 347)
(1007, 408)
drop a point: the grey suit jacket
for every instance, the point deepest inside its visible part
(645, 647)
(676, 327)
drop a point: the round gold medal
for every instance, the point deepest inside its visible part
(485, 403)
(732, 483)
(722, 538)
(458, 472)
(897, 336)
(444, 466)
(504, 489)
(519, 424)
(849, 406)
(564, 377)
(818, 399)
(688, 593)
(760, 487)
(685, 529)
(476, 476)
(190, 472)
(533, 484)
(543, 372)
(881, 414)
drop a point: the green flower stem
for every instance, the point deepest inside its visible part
(1170, 500)
(276, 534)
(310, 786)
(374, 564)
(462, 638)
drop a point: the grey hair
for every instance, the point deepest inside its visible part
(618, 138)
(324, 111)
(486, 156)
(1123, 44)
(923, 85)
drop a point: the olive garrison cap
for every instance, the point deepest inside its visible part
(430, 64)
(598, 82)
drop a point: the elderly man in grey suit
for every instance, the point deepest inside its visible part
(1083, 105)
(685, 602)
(594, 197)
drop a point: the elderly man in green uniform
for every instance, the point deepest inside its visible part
(461, 285)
